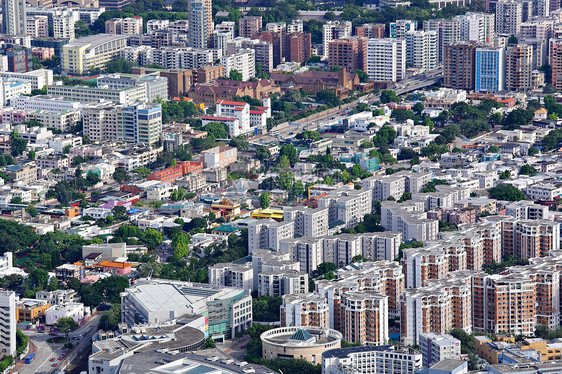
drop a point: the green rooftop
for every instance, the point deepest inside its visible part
(301, 335)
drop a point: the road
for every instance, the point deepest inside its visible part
(43, 353)
(46, 351)
(334, 115)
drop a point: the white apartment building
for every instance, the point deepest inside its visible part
(62, 120)
(509, 16)
(527, 210)
(232, 275)
(333, 30)
(386, 59)
(63, 26)
(410, 219)
(389, 359)
(244, 62)
(267, 260)
(8, 321)
(141, 54)
(238, 110)
(435, 348)
(287, 282)
(308, 222)
(448, 32)
(348, 206)
(399, 28)
(543, 191)
(266, 234)
(37, 26)
(183, 57)
(157, 24)
(385, 186)
(421, 49)
(477, 27)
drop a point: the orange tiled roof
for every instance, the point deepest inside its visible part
(113, 264)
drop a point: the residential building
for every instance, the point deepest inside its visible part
(518, 67)
(477, 27)
(489, 69)
(243, 62)
(76, 311)
(438, 307)
(19, 59)
(371, 31)
(435, 348)
(365, 316)
(333, 30)
(14, 18)
(386, 60)
(266, 234)
(448, 32)
(305, 309)
(399, 28)
(66, 272)
(422, 49)
(349, 53)
(248, 26)
(459, 66)
(232, 275)
(200, 23)
(91, 52)
(279, 283)
(308, 222)
(556, 62)
(509, 16)
(297, 47)
(8, 318)
(504, 303)
(63, 27)
(37, 26)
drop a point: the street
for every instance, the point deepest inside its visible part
(44, 351)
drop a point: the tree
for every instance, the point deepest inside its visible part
(16, 200)
(363, 77)
(66, 325)
(142, 171)
(31, 155)
(289, 151)
(262, 153)
(119, 65)
(418, 108)
(217, 130)
(285, 180)
(266, 308)
(506, 174)
(120, 175)
(532, 151)
(93, 178)
(235, 75)
(265, 200)
(298, 188)
(512, 40)
(180, 245)
(506, 192)
(328, 97)
(493, 149)
(528, 170)
(18, 144)
(240, 143)
(284, 162)
(152, 239)
(31, 210)
(111, 318)
(389, 96)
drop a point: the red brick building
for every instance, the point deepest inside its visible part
(350, 53)
(170, 175)
(298, 47)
